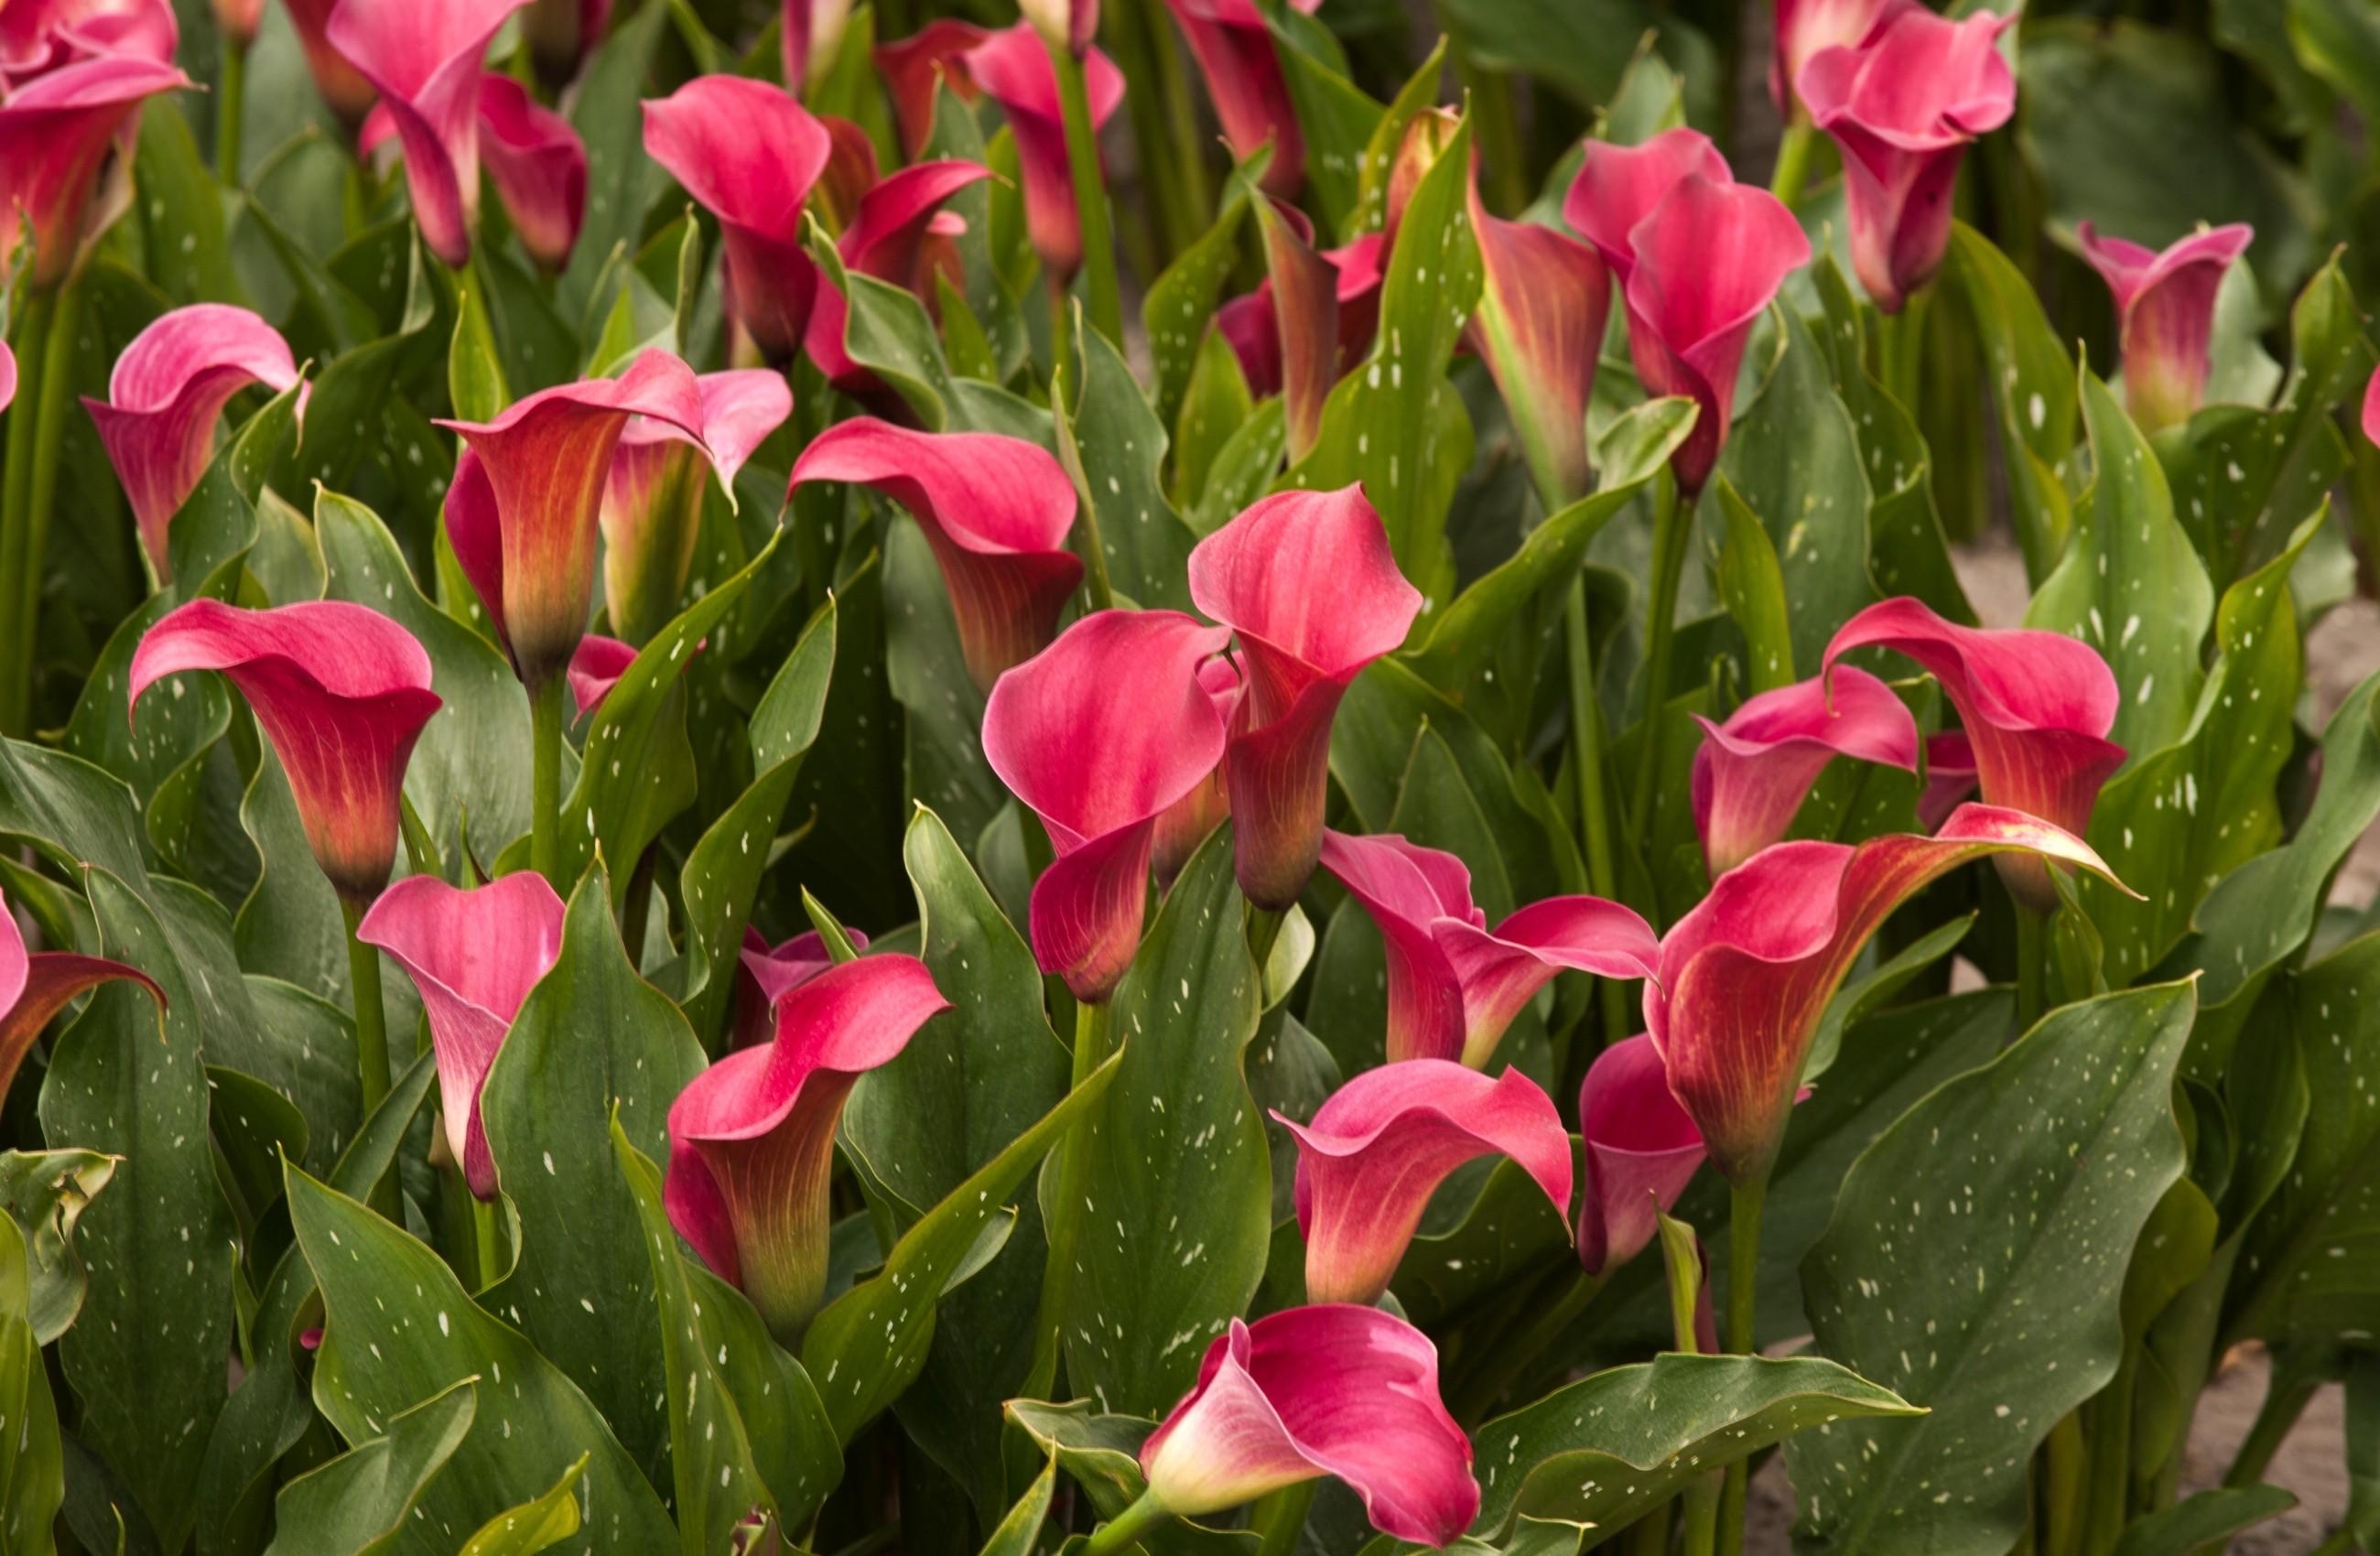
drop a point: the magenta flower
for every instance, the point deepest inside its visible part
(765, 973)
(238, 19)
(8, 376)
(914, 67)
(1805, 28)
(596, 666)
(1254, 326)
(1746, 973)
(59, 134)
(1901, 105)
(1331, 1389)
(1698, 257)
(35, 986)
(1013, 67)
(1303, 288)
(2166, 304)
(424, 61)
(2372, 409)
(1308, 585)
(899, 233)
(1642, 1150)
(1754, 772)
(995, 510)
(538, 166)
(1191, 819)
(1455, 985)
(39, 36)
(809, 35)
(1380, 1146)
(1233, 48)
(342, 692)
(1539, 328)
(1949, 777)
(2036, 708)
(475, 955)
(651, 510)
(752, 1138)
(1063, 24)
(522, 512)
(1099, 735)
(748, 154)
(342, 86)
(165, 396)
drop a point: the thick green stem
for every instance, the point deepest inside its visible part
(1671, 529)
(372, 1023)
(1702, 1498)
(1793, 168)
(231, 93)
(486, 1245)
(1090, 198)
(2030, 950)
(2066, 1467)
(50, 435)
(32, 342)
(1511, 1360)
(1745, 1202)
(36, 436)
(1119, 1533)
(1066, 1211)
(2107, 1502)
(1904, 349)
(2286, 1397)
(1280, 1518)
(1593, 808)
(545, 784)
(1264, 930)
(1182, 115)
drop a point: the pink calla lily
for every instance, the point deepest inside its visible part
(1254, 326)
(1302, 288)
(1099, 735)
(423, 59)
(752, 1138)
(2371, 417)
(1233, 44)
(342, 87)
(1455, 985)
(1949, 777)
(2036, 708)
(765, 973)
(1063, 24)
(1642, 1151)
(1746, 973)
(653, 499)
(540, 168)
(41, 36)
(36, 985)
(60, 134)
(1379, 1146)
(1754, 772)
(8, 376)
(1901, 105)
(900, 234)
(596, 666)
(748, 154)
(809, 37)
(523, 511)
(1308, 584)
(914, 67)
(1331, 1389)
(239, 21)
(164, 397)
(1543, 303)
(2166, 304)
(342, 692)
(995, 510)
(1617, 187)
(474, 955)
(1012, 67)
(1805, 28)
(1191, 819)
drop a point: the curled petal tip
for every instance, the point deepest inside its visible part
(1641, 1149)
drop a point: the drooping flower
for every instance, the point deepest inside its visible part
(1308, 584)
(900, 234)
(342, 692)
(596, 666)
(1752, 772)
(1746, 973)
(1949, 777)
(36, 985)
(1805, 28)
(2165, 302)
(914, 67)
(1063, 24)
(474, 955)
(765, 973)
(1455, 985)
(752, 1138)
(424, 61)
(164, 397)
(538, 166)
(1233, 47)
(1901, 105)
(342, 86)
(748, 154)
(1543, 302)
(1013, 67)
(1191, 819)
(809, 37)
(1642, 1150)
(653, 499)
(2036, 708)
(1333, 1390)
(1379, 1146)
(61, 134)
(995, 510)
(1697, 256)
(522, 512)
(1099, 735)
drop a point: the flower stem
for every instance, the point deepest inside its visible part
(1264, 930)
(2287, 1393)
(1280, 1518)
(1119, 1534)
(16, 504)
(1745, 1202)
(1793, 169)
(2029, 953)
(1669, 534)
(1186, 145)
(1090, 197)
(545, 782)
(372, 1023)
(50, 436)
(1066, 1211)
(1904, 349)
(1594, 807)
(231, 93)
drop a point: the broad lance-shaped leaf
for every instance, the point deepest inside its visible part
(925, 670)
(46, 1194)
(400, 1328)
(2206, 1520)
(869, 1344)
(537, 1525)
(357, 1503)
(1975, 1264)
(2034, 388)
(1114, 446)
(1609, 1447)
(32, 1474)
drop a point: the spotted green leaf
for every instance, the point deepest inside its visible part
(2033, 387)
(32, 1474)
(535, 1526)
(357, 1503)
(44, 1194)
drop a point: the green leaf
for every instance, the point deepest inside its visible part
(180, 724)
(475, 369)
(1751, 587)
(32, 1474)
(217, 525)
(1114, 446)
(2032, 382)
(1335, 115)
(1244, 467)
(1216, 406)
(288, 925)
(355, 1505)
(44, 1194)
(1581, 49)
(1101, 1453)
(180, 213)
(1019, 1532)
(1181, 303)
(1608, 1448)
(1975, 1264)
(2363, 1447)
(943, 731)
(622, 182)
(2339, 41)
(2209, 1518)
(534, 1526)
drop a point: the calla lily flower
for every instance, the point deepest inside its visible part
(1063, 24)
(810, 36)
(342, 86)
(2036, 708)
(1307, 582)
(1333, 1390)
(1805, 28)
(1698, 257)
(60, 135)
(1253, 325)
(1754, 772)
(1543, 302)
(916, 67)
(1380, 1146)
(995, 510)
(1099, 735)
(1642, 1150)
(342, 692)
(475, 954)
(1949, 777)
(1746, 973)
(36, 985)
(2372, 409)
(164, 397)
(39, 36)
(765, 973)
(538, 166)
(1302, 288)
(523, 510)
(1901, 105)
(1233, 47)
(1013, 67)
(899, 233)
(8, 376)
(424, 61)
(748, 154)
(1191, 819)
(596, 666)
(239, 21)
(752, 1138)
(653, 499)
(1455, 985)
(2166, 303)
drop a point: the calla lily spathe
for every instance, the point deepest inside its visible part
(916, 68)
(1949, 777)
(810, 36)
(65, 153)
(1752, 772)
(1191, 819)
(1805, 28)
(1012, 67)
(2166, 304)
(39, 36)
(538, 166)
(1233, 44)
(1640, 1152)
(1063, 24)
(765, 973)
(343, 88)
(1264, 340)
(596, 666)
(1543, 303)
(898, 233)
(36, 985)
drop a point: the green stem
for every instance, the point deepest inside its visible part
(1066, 1211)
(372, 1022)
(484, 1240)
(2028, 953)
(1264, 930)
(2286, 1397)
(1745, 1202)
(1594, 807)
(1127, 27)
(1793, 168)
(1702, 1498)
(1670, 530)
(47, 413)
(1649, 1536)
(1182, 114)
(231, 93)
(1280, 1518)
(545, 784)
(1121, 1532)
(1510, 1361)
(1090, 197)
(16, 503)
(2107, 1502)
(1904, 349)
(1061, 334)
(2066, 1467)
